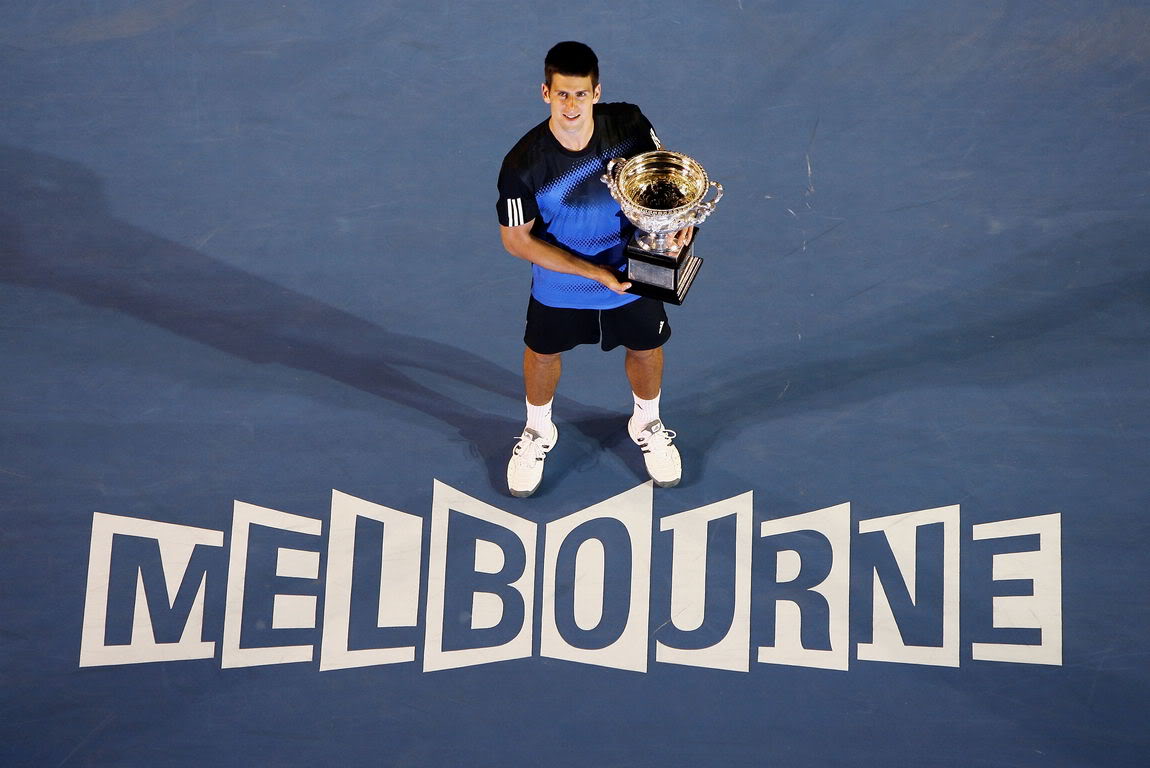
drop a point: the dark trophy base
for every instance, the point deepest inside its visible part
(659, 276)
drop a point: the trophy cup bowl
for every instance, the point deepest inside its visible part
(661, 192)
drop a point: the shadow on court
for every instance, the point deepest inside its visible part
(57, 234)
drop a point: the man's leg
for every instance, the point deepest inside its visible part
(645, 372)
(540, 378)
(555, 329)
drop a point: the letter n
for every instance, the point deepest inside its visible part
(146, 589)
(915, 588)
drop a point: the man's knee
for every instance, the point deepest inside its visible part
(541, 359)
(644, 354)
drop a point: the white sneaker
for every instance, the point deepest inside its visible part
(525, 470)
(660, 456)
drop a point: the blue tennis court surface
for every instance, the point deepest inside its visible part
(261, 353)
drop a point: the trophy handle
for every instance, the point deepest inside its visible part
(706, 209)
(609, 177)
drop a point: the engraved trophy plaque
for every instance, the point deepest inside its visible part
(661, 192)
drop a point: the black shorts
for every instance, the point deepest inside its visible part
(641, 324)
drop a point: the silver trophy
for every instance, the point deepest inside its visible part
(661, 192)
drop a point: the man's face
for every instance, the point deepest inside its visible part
(571, 99)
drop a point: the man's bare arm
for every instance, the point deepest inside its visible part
(521, 243)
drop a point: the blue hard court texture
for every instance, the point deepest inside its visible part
(248, 253)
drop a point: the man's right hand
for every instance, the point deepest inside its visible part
(610, 280)
(520, 243)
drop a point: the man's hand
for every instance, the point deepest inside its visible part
(520, 243)
(610, 280)
(680, 239)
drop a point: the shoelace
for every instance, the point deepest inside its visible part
(529, 448)
(661, 439)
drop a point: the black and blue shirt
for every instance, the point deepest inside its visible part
(572, 208)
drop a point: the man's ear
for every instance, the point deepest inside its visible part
(545, 92)
(598, 93)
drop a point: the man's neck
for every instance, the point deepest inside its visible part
(574, 142)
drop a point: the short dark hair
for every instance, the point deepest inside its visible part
(572, 59)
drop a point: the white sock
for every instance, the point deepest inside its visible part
(646, 411)
(539, 417)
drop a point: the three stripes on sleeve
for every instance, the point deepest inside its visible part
(515, 212)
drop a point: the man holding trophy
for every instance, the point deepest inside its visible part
(556, 212)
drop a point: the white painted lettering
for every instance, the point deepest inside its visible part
(1042, 609)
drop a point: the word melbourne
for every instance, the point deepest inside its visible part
(472, 584)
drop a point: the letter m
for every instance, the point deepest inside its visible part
(147, 583)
